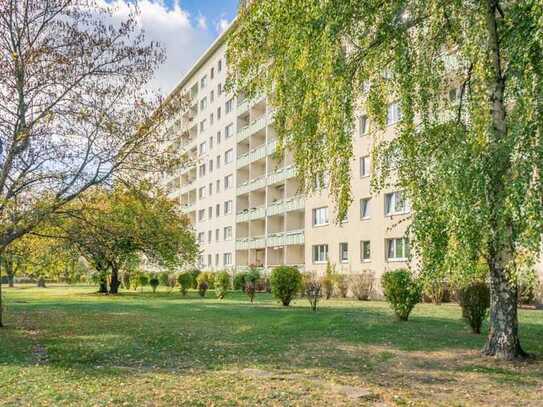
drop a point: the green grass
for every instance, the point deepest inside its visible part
(67, 345)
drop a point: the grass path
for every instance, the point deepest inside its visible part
(67, 346)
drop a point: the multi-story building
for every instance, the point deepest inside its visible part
(245, 202)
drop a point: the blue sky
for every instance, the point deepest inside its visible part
(185, 29)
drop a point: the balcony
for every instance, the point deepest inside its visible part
(243, 106)
(187, 207)
(252, 128)
(291, 204)
(295, 237)
(248, 186)
(246, 243)
(253, 155)
(251, 214)
(281, 174)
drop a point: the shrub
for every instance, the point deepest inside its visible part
(126, 280)
(185, 282)
(202, 288)
(209, 278)
(239, 281)
(153, 282)
(475, 301)
(434, 291)
(195, 273)
(362, 285)
(342, 284)
(329, 280)
(402, 291)
(222, 284)
(285, 283)
(164, 278)
(312, 290)
(143, 280)
(250, 290)
(252, 282)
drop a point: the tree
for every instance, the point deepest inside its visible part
(467, 78)
(75, 109)
(112, 228)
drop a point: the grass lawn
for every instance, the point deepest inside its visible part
(69, 346)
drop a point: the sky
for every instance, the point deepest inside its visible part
(185, 28)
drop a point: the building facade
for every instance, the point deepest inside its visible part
(245, 202)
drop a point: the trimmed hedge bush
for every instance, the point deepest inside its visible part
(475, 301)
(185, 282)
(222, 284)
(402, 291)
(153, 282)
(285, 283)
(362, 284)
(239, 281)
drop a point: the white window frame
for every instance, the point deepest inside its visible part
(365, 166)
(319, 253)
(344, 250)
(397, 249)
(365, 208)
(392, 202)
(363, 258)
(320, 216)
(394, 113)
(363, 125)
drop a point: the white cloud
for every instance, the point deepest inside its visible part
(222, 25)
(183, 39)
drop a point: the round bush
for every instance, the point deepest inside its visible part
(239, 281)
(153, 282)
(185, 281)
(202, 284)
(402, 291)
(285, 283)
(222, 284)
(475, 301)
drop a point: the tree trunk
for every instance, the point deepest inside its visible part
(11, 279)
(41, 282)
(503, 339)
(114, 281)
(1, 302)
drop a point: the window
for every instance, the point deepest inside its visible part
(227, 259)
(202, 192)
(229, 131)
(210, 189)
(219, 65)
(217, 234)
(203, 82)
(201, 260)
(211, 142)
(210, 212)
(209, 258)
(203, 148)
(211, 123)
(228, 233)
(203, 104)
(209, 236)
(394, 113)
(217, 210)
(322, 182)
(202, 125)
(365, 250)
(218, 113)
(320, 253)
(218, 186)
(363, 125)
(218, 161)
(229, 105)
(202, 170)
(320, 216)
(212, 74)
(455, 94)
(365, 208)
(228, 156)
(395, 203)
(219, 89)
(201, 237)
(344, 252)
(201, 214)
(212, 96)
(210, 164)
(365, 166)
(217, 259)
(228, 181)
(227, 207)
(397, 249)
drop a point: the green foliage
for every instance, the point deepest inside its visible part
(475, 301)
(222, 284)
(239, 280)
(142, 279)
(402, 291)
(362, 284)
(164, 278)
(285, 283)
(154, 282)
(329, 279)
(195, 273)
(185, 282)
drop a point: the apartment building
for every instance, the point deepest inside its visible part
(244, 201)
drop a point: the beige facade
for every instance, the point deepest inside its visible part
(245, 203)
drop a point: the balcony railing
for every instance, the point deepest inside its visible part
(251, 214)
(281, 174)
(187, 207)
(252, 128)
(295, 237)
(253, 155)
(291, 204)
(252, 185)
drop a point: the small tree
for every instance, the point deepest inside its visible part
(474, 299)
(185, 282)
(251, 280)
(154, 282)
(362, 284)
(202, 284)
(222, 284)
(342, 284)
(285, 282)
(312, 289)
(239, 281)
(143, 280)
(401, 291)
(329, 280)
